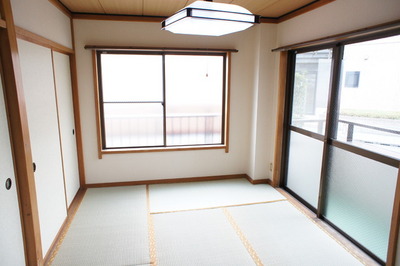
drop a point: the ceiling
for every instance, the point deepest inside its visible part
(274, 9)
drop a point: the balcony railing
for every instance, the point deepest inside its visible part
(147, 130)
(381, 139)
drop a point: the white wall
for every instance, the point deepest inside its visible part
(264, 110)
(337, 17)
(43, 18)
(160, 165)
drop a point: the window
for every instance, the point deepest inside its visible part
(352, 79)
(158, 100)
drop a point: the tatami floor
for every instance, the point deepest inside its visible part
(225, 222)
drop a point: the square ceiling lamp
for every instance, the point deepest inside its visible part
(210, 19)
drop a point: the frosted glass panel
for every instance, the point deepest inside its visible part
(304, 170)
(311, 89)
(360, 194)
(133, 125)
(194, 92)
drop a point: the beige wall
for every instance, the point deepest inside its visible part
(43, 18)
(337, 17)
(160, 165)
(263, 103)
(253, 92)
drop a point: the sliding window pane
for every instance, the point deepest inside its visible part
(131, 77)
(304, 167)
(370, 96)
(359, 198)
(194, 93)
(311, 89)
(133, 124)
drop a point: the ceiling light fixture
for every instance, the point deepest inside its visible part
(211, 19)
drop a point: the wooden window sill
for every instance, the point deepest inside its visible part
(163, 149)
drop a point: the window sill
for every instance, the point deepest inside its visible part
(163, 149)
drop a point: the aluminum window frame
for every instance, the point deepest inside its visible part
(332, 121)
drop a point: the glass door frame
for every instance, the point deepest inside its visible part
(329, 139)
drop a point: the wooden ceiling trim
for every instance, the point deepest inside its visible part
(282, 7)
(304, 9)
(61, 7)
(117, 17)
(148, 11)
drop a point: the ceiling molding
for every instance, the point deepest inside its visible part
(117, 17)
(140, 18)
(61, 7)
(304, 9)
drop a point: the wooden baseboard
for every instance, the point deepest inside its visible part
(76, 202)
(258, 181)
(166, 181)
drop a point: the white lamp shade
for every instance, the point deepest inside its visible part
(209, 18)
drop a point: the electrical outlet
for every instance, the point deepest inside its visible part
(271, 167)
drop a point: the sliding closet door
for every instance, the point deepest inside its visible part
(312, 73)
(11, 242)
(38, 84)
(62, 77)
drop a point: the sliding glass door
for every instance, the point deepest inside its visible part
(342, 151)
(312, 75)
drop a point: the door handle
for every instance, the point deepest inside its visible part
(8, 183)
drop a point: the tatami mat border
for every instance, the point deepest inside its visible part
(219, 207)
(317, 222)
(243, 238)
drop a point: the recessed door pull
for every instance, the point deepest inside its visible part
(8, 183)
(34, 167)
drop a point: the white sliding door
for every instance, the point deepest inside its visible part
(38, 83)
(11, 241)
(67, 124)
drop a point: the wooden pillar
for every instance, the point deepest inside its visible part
(280, 119)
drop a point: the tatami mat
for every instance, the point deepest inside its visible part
(281, 235)
(209, 194)
(113, 227)
(202, 237)
(110, 228)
